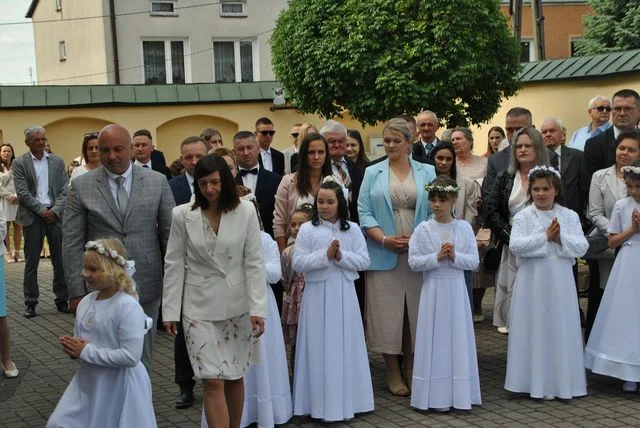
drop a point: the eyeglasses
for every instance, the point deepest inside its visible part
(295, 134)
(269, 133)
(603, 108)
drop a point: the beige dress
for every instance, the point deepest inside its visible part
(219, 349)
(387, 291)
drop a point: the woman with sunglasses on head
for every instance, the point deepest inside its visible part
(90, 154)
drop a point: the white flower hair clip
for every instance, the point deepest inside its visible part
(545, 169)
(438, 188)
(631, 169)
(334, 179)
(111, 254)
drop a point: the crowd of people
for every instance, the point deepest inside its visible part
(242, 250)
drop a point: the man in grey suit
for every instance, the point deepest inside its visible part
(41, 183)
(127, 202)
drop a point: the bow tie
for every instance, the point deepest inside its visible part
(244, 172)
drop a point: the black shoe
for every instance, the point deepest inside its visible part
(185, 399)
(63, 307)
(30, 311)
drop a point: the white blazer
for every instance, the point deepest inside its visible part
(603, 194)
(230, 283)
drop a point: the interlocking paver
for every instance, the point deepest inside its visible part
(45, 372)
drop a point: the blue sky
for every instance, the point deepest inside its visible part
(17, 53)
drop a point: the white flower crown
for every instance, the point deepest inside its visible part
(437, 188)
(334, 179)
(128, 266)
(631, 169)
(544, 168)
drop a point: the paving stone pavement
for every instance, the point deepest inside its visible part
(45, 371)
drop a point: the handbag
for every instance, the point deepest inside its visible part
(493, 256)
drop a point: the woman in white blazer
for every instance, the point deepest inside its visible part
(607, 187)
(214, 280)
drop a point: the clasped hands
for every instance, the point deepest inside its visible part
(73, 346)
(333, 252)
(635, 221)
(447, 250)
(397, 243)
(553, 231)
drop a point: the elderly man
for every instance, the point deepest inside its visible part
(599, 110)
(569, 162)
(127, 202)
(270, 159)
(41, 183)
(336, 135)
(428, 125)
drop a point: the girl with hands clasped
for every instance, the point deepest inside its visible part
(445, 371)
(111, 388)
(545, 353)
(332, 379)
(611, 350)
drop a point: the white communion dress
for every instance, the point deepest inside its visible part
(545, 352)
(111, 389)
(445, 366)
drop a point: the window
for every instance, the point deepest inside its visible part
(233, 61)
(233, 8)
(526, 51)
(58, 5)
(62, 51)
(574, 46)
(163, 8)
(164, 61)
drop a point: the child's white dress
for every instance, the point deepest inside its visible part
(332, 379)
(445, 367)
(111, 388)
(545, 352)
(613, 348)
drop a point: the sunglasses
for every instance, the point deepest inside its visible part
(270, 133)
(90, 136)
(603, 108)
(295, 134)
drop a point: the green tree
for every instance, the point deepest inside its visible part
(614, 27)
(379, 58)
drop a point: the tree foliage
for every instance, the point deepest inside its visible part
(380, 58)
(614, 27)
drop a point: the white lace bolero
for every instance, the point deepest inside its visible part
(529, 234)
(272, 266)
(424, 248)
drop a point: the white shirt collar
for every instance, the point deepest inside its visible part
(45, 155)
(126, 174)
(263, 151)
(256, 166)
(137, 162)
(190, 178)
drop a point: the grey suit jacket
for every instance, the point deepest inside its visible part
(24, 177)
(92, 213)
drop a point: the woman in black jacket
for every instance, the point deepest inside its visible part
(508, 196)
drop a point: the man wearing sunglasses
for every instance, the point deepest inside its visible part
(290, 151)
(599, 110)
(270, 159)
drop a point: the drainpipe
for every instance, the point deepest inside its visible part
(114, 41)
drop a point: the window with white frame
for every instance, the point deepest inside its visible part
(233, 61)
(527, 51)
(58, 5)
(164, 61)
(233, 8)
(163, 7)
(62, 51)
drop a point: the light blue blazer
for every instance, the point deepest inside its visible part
(375, 210)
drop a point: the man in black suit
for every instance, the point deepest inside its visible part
(600, 151)
(569, 161)
(142, 148)
(157, 158)
(428, 125)
(192, 150)
(264, 185)
(269, 159)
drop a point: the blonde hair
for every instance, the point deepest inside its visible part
(111, 269)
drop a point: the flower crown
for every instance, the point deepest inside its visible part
(545, 169)
(334, 179)
(438, 188)
(112, 254)
(631, 169)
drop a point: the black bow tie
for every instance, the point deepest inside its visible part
(244, 172)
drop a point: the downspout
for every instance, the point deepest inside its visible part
(114, 41)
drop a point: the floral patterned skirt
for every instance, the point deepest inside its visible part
(220, 349)
(291, 309)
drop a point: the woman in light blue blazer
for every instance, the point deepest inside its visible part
(392, 203)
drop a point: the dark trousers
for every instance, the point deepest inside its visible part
(595, 295)
(184, 371)
(278, 292)
(33, 238)
(359, 285)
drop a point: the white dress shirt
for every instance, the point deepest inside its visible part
(114, 186)
(251, 180)
(143, 165)
(42, 179)
(190, 180)
(558, 151)
(267, 163)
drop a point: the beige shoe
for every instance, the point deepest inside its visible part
(8, 258)
(396, 384)
(17, 256)
(10, 372)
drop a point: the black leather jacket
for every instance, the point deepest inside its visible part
(497, 206)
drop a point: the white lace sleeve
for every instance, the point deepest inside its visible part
(528, 238)
(306, 257)
(272, 266)
(355, 256)
(422, 255)
(574, 244)
(466, 247)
